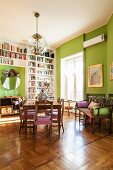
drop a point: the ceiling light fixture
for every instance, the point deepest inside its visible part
(37, 41)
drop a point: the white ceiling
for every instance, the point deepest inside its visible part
(59, 20)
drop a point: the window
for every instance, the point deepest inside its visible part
(72, 77)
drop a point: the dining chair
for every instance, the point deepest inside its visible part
(41, 118)
(30, 117)
(56, 117)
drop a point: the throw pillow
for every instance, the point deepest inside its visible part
(82, 104)
(93, 104)
(102, 111)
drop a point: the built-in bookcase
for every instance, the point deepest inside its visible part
(39, 68)
(40, 75)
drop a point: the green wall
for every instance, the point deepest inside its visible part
(96, 54)
(73, 46)
(109, 54)
(101, 53)
(20, 91)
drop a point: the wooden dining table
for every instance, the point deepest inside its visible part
(31, 105)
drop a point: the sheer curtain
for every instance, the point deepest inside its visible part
(72, 78)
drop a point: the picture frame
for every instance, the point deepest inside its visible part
(111, 71)
(95, 75)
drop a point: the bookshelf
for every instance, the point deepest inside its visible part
(40, 75)
(39, 68)
(12, 54)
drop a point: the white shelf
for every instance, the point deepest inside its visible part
(31, 73)
(31, 67)
(49, 58)
(40, 62)
(43, 69)
(45, 75)
(30, 54)
(31, 61)
(31, 80)
(49, 63)
(5, 57)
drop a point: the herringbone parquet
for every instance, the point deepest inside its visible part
(77, 149)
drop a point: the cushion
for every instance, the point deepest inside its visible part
(102, 111)
(82, 104)
(93, 104)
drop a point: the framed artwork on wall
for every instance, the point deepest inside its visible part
(95, 75)
(111, 72)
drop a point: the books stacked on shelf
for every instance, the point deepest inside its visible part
(31, 83)
(6, 61)
(32, 57)
(31, 71)
(49, 53)
(45, 72)
(12, 51)
(31, 90)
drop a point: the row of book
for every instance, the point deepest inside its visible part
(31, 70)
(31, 90)
(7, 46)
(6, 61)
(45, 66)
(12, 54)
(45, 72)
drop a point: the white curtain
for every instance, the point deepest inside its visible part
(72, 78)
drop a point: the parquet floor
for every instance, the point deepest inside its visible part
(77, 149)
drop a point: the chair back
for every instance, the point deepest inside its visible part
(40, 106)
(20, 107)
(62, 107)
(61, 101)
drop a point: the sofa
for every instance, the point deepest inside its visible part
(95, 110)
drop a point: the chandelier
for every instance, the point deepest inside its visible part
(37, 41)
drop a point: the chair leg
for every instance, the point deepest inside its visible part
(93, 125)
(75, 114)
(59, 128)
(20, 129)
(62, 125)
(35, 130)
(100, 122)
(21, 126)
(68, 112)
(85, 120)
(50, 131)
(79, 118)
(110, 130)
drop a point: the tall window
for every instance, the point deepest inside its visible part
(72, 77)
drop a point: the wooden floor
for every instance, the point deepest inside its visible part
(77, 149)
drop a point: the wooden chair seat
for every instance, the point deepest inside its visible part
(45, 119)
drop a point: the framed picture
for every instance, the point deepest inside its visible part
(95, 76)
(111, 72)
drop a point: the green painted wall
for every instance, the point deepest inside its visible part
(101, 53)
(109, 54)
(96, 54)
(20, 91)
(71, 47)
